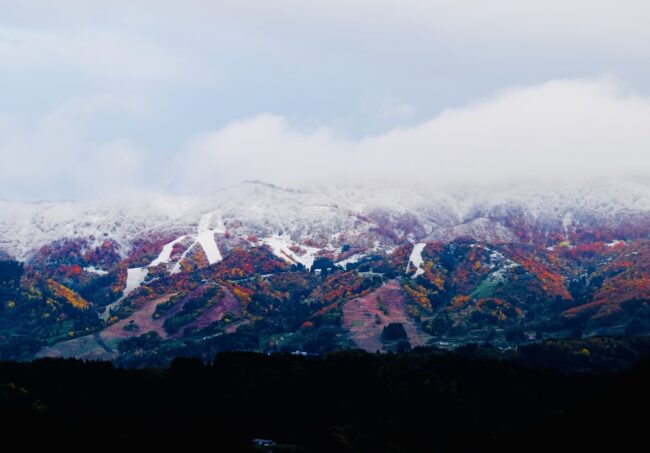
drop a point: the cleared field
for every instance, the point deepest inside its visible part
(227, 304)
(103, 345)
(365, 317)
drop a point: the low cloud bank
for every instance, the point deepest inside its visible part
(567, 129)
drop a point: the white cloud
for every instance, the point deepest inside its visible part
(475, 28)
(264, 147)
(362, 65)
(112, 54)
(114, 166)
(55, 158)
(563, 128)
(599, 18)
(439, 16)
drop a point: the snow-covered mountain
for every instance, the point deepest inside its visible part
(325, 260)
(365, 216)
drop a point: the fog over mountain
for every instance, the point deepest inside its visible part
(151, 97)
(567, 129)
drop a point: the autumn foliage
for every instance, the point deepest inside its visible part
(68, 295)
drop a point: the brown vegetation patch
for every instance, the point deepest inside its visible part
(365, 317)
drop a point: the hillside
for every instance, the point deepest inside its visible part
(265, 268)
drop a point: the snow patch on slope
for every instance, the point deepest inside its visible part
(416, 259)
(280, 246)
(480, 229)
(351, 260)
(209, 246)
(499, 275)
(166, 253)
(94, 270)
(134, 278)
(206, 239)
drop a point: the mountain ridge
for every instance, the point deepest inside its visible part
(259, 208)
(254, 266)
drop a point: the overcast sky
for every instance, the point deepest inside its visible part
(105, 97)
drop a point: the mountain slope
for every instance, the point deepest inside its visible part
(265, 210)
(502, 265)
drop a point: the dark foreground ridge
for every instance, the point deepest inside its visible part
(424, 400)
